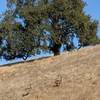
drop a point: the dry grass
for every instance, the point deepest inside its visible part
(70, 76)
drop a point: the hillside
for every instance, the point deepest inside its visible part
(69, 76)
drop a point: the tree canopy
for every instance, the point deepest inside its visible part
(33, 25)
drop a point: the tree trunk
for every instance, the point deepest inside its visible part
(56, 53)
(55, 49)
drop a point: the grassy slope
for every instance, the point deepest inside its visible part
(70, 76)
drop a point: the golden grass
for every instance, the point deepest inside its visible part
(69, 76)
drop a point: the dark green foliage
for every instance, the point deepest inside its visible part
(47, 25)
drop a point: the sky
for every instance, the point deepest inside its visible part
(2, 6)
(92, 8)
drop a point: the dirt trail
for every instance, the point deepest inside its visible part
(70, 76)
